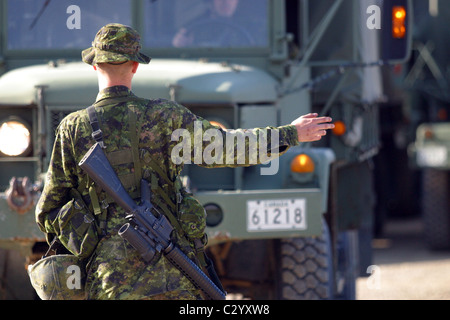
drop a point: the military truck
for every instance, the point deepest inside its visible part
(428, 105)
(286, 229)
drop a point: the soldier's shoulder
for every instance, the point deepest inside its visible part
(166, 106)
(73, 119)
(160, 102)
(76, 116)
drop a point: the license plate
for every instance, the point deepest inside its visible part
(433, 156)
(274, 215)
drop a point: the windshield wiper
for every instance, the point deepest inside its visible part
(39, 14)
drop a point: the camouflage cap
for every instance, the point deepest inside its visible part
(113, 43)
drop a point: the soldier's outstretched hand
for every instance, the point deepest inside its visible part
(311, 127)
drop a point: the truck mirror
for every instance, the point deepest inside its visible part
(396, 30)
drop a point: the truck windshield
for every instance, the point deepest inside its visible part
(206, 23)
(66, 24)
(61, 24)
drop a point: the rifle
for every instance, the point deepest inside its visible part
(148, 231)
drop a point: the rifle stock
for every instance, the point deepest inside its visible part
(97, 166)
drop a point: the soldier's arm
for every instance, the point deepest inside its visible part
(202, 143)
(60, 178)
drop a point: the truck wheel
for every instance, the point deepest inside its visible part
(435, 208)
(305, 268)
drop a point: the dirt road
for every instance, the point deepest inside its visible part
(404, 269)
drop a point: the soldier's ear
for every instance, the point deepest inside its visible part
(95, 68)
(135, 67)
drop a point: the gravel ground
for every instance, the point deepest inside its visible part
(404, 269)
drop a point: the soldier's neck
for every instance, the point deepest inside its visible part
(106, 83)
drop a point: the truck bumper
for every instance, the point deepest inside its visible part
(18, 231)
(241, 214)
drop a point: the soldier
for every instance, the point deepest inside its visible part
(137, 137)
(223, 25)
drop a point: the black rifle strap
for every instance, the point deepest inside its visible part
(205, 261)
(97, 133)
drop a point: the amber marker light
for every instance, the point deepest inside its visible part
(302, 164)
(218, 124)
(442, 114)
(339, 128)
(428, 133)
(398, 22)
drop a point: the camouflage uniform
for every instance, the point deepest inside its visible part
(115, 269)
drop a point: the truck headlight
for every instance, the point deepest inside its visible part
(15, 138)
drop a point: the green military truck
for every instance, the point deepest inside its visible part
(428, 106)
(294, 228)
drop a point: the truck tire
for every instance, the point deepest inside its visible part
(305, 269)
(435, 208)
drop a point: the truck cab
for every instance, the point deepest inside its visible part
(286, 229)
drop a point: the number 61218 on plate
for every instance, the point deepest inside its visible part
(279, 214)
